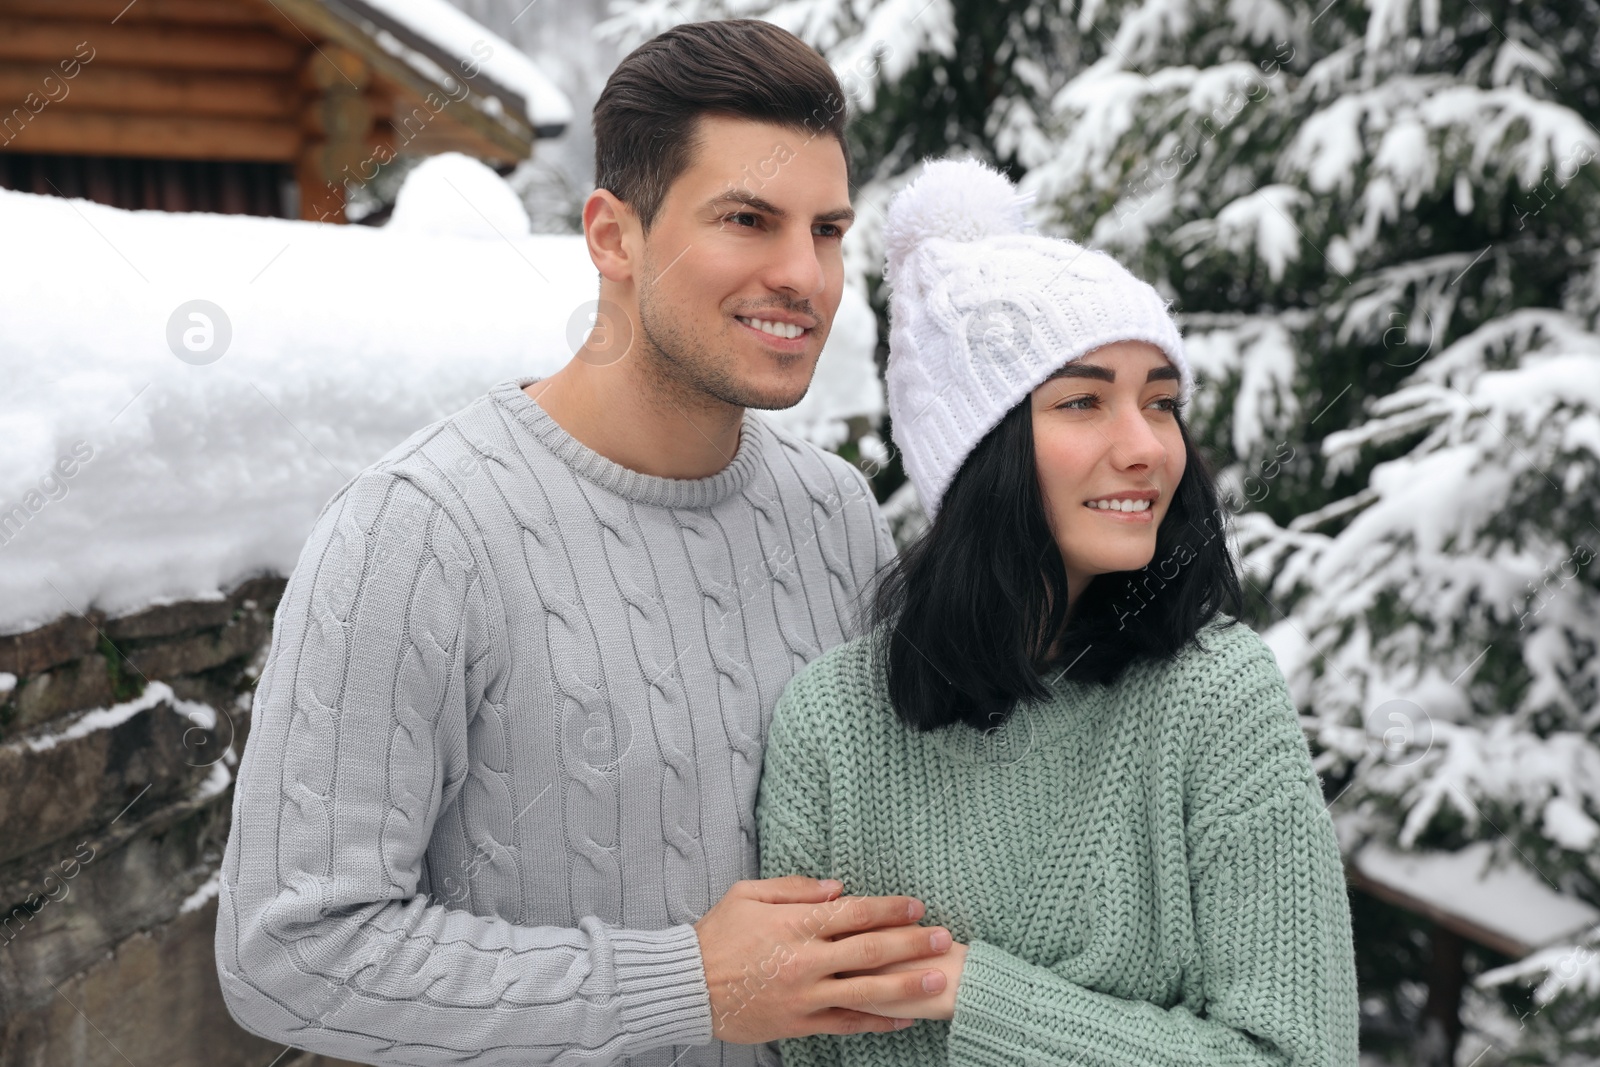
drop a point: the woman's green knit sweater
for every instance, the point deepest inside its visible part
(1145, 873)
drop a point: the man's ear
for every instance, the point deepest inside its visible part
(614, 236)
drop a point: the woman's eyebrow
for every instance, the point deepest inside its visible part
(1084, 370)
(1106, 374)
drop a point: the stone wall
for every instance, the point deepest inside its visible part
(118, 741)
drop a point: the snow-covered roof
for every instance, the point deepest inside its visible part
(440, 41)
(145, 478)
(1506, 906)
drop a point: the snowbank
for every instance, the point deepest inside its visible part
(130, 475)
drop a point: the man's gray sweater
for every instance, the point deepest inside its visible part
(506, 744)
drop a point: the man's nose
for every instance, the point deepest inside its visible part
(796, 266)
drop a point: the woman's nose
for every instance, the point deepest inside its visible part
(1133, 441)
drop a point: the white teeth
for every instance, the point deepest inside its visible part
(776, 329)
(1120, 505)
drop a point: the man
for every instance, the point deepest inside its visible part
(497, 801)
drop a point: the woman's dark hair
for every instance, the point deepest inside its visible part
(972, 618)
(646, 119)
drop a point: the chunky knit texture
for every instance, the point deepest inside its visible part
(506, 746)
(1145, 873)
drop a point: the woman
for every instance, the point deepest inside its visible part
(1053, 735)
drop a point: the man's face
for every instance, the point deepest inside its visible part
(744, 251)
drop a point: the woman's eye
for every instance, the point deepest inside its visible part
(1079, 403)
(1167, 403)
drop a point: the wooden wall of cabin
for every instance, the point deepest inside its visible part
(183, 105)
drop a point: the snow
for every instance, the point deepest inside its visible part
(1530, 392)
(1512, 132)
(455, 195)
(130, 476)
(1104, 103)
(474, 47)
(866, 44)
(894, 36)
(219, 779)
(1146, 26)
(155, 693)
(1327, 147)
(1391, 19)
(1261, 21)
(1403, 153)
(1259, 223)
(1423, 499)
(204, 716)
(1567, 825)
(206, 891)
(1427, 532)
(8, 682)
(1557, 969)
(1508, 900)
(1260, 353)
(215, 784)
(1583, 432)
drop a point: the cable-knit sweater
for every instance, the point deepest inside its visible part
(1145, 873)
(506, 745)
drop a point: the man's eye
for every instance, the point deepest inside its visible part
(742, 218)
(830, 230)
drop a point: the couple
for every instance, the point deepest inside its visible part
(538, 775)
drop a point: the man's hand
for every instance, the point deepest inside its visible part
(774, 950)
(941, 1006)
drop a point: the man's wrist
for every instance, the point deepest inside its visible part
(661, 981)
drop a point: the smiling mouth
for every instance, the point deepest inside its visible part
(1122, 505)
(783, 331)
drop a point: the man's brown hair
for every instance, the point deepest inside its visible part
(647, 117)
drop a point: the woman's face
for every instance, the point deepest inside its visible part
(1110, 456)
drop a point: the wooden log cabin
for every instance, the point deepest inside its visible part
(263, 107)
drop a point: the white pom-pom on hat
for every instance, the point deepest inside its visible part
(953, 199)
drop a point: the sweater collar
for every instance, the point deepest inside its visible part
(648, 489)
(1070, 706)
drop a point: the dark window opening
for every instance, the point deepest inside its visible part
(230, 187)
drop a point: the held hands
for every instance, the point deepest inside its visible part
(942, 1003)
(788, 957)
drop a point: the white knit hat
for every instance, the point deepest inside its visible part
(982, 310)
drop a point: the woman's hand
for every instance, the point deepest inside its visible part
(942, 970)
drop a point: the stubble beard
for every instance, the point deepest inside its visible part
(685, 364)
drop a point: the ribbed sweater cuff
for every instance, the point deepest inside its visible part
(661, 981)
(992, 1008)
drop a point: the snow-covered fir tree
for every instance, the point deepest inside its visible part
(1380, 221)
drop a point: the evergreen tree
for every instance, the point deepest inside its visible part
(1380, 222)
